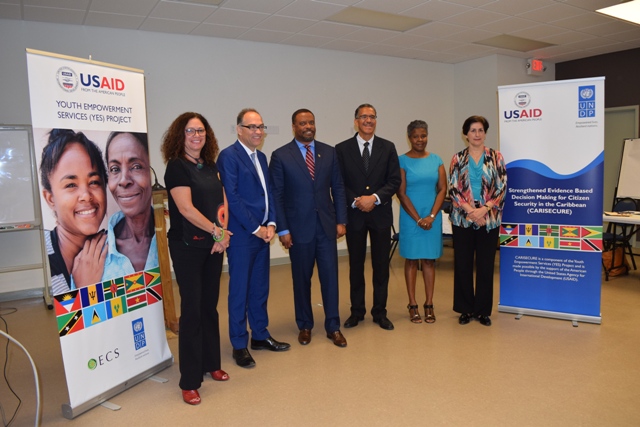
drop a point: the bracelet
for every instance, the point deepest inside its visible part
(487, 206)
(418, 221)
(218, 239)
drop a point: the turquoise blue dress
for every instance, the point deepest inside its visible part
(422, 180)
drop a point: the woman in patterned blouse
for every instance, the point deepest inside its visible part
(477, 186)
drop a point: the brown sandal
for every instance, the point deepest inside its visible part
(414, 314)
(429, 316)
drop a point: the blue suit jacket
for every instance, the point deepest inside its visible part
(245, 195)
(298, 198)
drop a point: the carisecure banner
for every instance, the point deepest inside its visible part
(552, 138)
(105, 278)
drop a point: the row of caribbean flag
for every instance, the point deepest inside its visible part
(88, 306)
(552, 236)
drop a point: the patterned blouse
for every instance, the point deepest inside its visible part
(494, 187)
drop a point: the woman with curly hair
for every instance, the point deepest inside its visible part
(197, 241)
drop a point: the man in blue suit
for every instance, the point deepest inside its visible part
(252, 220)
(312, 214)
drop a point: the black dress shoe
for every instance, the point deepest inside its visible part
(352, 321)
(243, 358)
(464, 318)
(484, 320)
(384, 323)
(269, 344)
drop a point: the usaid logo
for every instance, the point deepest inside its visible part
(67, 79)
(522, 99)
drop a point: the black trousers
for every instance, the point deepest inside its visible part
(470, 245)
(380, 246)
(198, 275)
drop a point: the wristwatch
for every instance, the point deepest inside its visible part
(432, 216)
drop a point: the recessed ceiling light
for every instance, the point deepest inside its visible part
(373, 19)
(629, 11)
(520, 44)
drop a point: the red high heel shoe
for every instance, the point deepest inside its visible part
(220, 375)
(192, 397)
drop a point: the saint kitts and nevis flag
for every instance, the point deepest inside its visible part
(88, 306)
(552, 236)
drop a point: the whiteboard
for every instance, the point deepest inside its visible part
(18, 178)
(629, 178)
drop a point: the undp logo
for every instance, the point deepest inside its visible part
(522, 99)
(587, 93)
(67, 79)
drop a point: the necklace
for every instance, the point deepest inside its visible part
(198, 160)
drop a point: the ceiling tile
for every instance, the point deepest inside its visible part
(168, 26)
(508, 25)
(310, 9)
(329, 29)
(216, 30)
(568, 37)
(516, 7)
(370, 35)
(124, 7)
(538, 32)
(474, 18)
(270, 6)
(62, 4)
(113, 20)
(57, 16)
(551, 13)
(182, 11)
(405, 40)
(579, 22)
(349, 45)
(265, 36)
(435, 10)
(437, 30)
(237, 18)
(395, 6)
(380, 49)
(10, 11)
(439, 45)
(284, 23)
(472, 35)
(610, 28)
(306, 40)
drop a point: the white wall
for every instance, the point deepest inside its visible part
(218, 77)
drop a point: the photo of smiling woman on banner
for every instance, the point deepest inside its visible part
(73, 179)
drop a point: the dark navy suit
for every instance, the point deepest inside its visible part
(310, 210)
(248, 254)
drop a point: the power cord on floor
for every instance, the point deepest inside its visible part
(35, 376)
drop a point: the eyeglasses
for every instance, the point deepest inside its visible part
(192, 131)
(365, 117)
(254, 128)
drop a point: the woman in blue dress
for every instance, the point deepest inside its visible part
(421, 195)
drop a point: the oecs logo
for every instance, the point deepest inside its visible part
(92, 364)
(67, 79)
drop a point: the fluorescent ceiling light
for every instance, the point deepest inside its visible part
(381, 20)
(520, 44)
(629, 11)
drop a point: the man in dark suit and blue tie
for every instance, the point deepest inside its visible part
(312, 214)
(252, 220)
(371, 174)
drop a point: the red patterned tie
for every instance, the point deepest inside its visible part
(309, 160)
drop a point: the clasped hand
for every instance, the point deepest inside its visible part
(366, 203)
(223, 244)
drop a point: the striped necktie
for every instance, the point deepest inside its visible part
(310, 162)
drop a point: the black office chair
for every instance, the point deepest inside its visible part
(612, 239)
(395, 239)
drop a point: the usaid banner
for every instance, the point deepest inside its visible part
(552, 138)
(98, 220)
